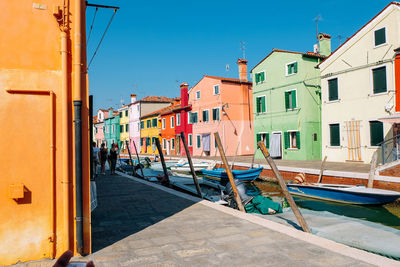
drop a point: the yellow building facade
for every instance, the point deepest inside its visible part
(123, 127)
(150, 128)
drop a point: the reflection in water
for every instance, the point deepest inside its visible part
(387, 215)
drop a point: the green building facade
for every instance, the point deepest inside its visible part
(287, 105)
(112, 129)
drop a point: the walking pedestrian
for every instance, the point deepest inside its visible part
(113, 157)
(103, 158)
(96, 158)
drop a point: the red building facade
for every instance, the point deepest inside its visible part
(182, 114)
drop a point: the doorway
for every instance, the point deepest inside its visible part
(275, 145)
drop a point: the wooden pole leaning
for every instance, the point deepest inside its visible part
(321, 171)
(228, 171)
(138, 159)
(285, 191)
(158, 145)
(130, 157)
(189, 157)
(371, 174)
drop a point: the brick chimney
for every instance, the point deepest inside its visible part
(133, 98)
(242, 69)
(184, 94)
(324, 44)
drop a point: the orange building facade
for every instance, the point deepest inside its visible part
(169, 137)
(43, 89)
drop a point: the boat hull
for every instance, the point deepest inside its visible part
(343, 195)
(246, 175)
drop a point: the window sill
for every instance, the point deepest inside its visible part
(333, 101)
(292, 148)
(378, 94)
(262, 113)
(381, 45)
(287, 75)
(291, 109)
(337, 147)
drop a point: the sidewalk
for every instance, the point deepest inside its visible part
(141, 224)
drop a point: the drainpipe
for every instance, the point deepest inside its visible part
(78, 125)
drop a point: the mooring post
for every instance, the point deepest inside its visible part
(130, 157)
(285, 191)
(321, 171)
(158, 145)
(228, 171)
(189, 157)
(371, 174)
(138, 159)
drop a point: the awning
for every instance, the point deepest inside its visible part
(391, 119)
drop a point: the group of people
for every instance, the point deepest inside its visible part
(102, 155)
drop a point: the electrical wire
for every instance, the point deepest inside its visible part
(102, 37)
(91, 27)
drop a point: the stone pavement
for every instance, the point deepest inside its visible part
(137, 224)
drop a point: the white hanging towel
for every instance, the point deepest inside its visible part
(206, 143)
(275, 145)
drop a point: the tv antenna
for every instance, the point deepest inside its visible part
(340, 39)
(243, 48)
(318, 18)
(227, 67)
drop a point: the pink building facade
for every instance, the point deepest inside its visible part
(99, 126)
(222, 105)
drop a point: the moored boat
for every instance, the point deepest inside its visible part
(352, 194)
(243, 175)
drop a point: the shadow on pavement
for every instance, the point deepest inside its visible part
(126, 207)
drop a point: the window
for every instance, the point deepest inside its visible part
(290, 99)
(178, 119)
(334, 130)
(292, 140)
(173, 143)
(147, 141)
(153, 140)
(112, 128)
(193, 117)
(154, 122)
(126, 127)
(121, 128)
(141, 141)
(291, 68)
(148, 123)
(164, 144)
(198, 95)
(205, 116)
(379, 80)
(333, 89)
(142, 125)
(215, 114)
(163, 123)
(172, 121)
(380, 36)
(120, 114)
(260, 104)
(376, 132)
(198, 137)
(263, 137)
(259, 77)
(216, 89)
(190, 140)
(126, 113)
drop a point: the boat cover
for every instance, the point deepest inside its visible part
(263, 205)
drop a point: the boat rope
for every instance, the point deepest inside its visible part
(91, 26)
(102, 37)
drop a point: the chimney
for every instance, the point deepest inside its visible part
(133, 98)
(324, 44)
(242, 69)
(184, 94)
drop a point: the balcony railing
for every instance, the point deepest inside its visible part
(390, 149)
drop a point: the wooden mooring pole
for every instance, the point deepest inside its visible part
(138, 159)
(371, 174)
(189, 157)
(285, 191)
(158, 145)
(228, 171)
(130, 157)
(321, 171)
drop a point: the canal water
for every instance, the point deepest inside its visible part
(388, 214)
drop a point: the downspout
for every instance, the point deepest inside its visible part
(78, 125)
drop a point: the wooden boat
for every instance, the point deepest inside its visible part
(184, 167)
(352, 194)
(245, 175)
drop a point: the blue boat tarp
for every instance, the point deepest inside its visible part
(244, 175)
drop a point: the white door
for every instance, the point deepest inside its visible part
(275, 145)
(168, 146)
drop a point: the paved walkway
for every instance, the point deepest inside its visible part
(137, 224)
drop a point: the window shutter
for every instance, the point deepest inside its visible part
(141, 141)
(258, 137)
(333, 89)
(334, 134)
(298, 139)
(287, 100)
(258, 107)
(295, 67)
(262, 76)
(379, 77)
(376, 130)
(263, 104)
(257, 77)
(294, 104)
(380, 36)
(267, 140)
(287, 141)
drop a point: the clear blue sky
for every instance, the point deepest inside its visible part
(153, 46)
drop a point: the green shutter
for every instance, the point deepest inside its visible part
(298, 139)
(287, 100)
(258, 107)
(294, 104)
(380, 36)
(333, 89)
(257, 76)
(376, 132)
(289, 69)
(262, 76)
(334, 130)
(295, 67)
(287, 140)
(379, 77)
(258, 137)
(267, 140)
(263, 104)
(141, 141)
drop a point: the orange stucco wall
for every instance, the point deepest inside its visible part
(167, 134)
(38, 221)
